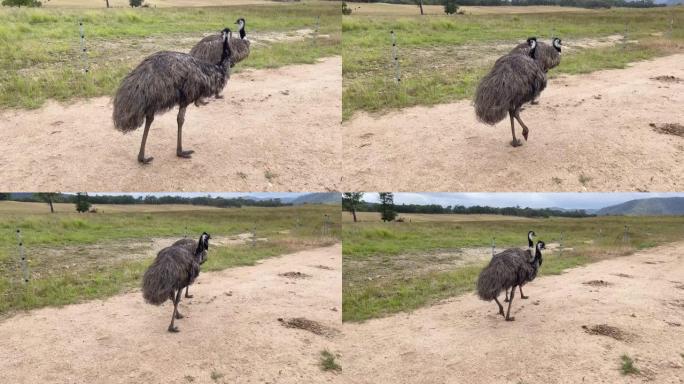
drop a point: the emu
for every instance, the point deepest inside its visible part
(528, 252)
(162, 81)
(173, 269)
(191, 245)
(209, 49)
(516, 78)
(547, 56)
(508, 269)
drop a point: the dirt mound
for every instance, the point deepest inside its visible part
(669, 128)
(667, 78)
(295, 275)
(597, 283)
(308, 325)
(606, 330)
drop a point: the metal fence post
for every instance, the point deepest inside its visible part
(395, 57)
(22, 258)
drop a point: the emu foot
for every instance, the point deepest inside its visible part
(144, 160)
(173, 329)
(516, 143)
(501, 312)
(506, 300)
(510, 318)
(189, 296)
(185, 154)
(534, 102)
(179, 315)
(525, 133)
(524, 297)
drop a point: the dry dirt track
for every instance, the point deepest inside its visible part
(265, 135)
(592, 128)
(124, 340)
(466, 341)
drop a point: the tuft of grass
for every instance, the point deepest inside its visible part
(189, 378)
(327, 362)
(216, 375)
(627, 366)
(270, 175)
(584, 179)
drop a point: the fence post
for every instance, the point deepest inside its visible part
(395, 57)
(22, 258)
(84, 50)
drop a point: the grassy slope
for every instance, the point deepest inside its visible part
(64, 284)
(443, 57)
(372, 249)
(40, 57)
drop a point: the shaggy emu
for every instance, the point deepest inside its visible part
(209, 48)
(196, 247)
(508, 270)
(161, 82)
(516, 78)
(547, 56)
(528, 252)
(174, 269)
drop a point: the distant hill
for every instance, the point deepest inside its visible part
(669, 2)
(646, 207)
(319, 198)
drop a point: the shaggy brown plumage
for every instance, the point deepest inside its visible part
(198, 248)
(508, 269)
(515, 79)
(162, 81)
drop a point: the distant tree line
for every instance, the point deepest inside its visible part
(562, 3)
(218, 201)
(364, 206)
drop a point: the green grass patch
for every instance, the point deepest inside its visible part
(327, 362)
(627, 366)
(77, 257)
(442, 58)
(40, 54)
(398, 267)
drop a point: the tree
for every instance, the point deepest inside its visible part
(387, 211)
(49, 198)
(107, 1)
(450, 7)
(351, 201)
(420, 4)
(136, 3)
(4, 196)
(82, 203)
(345, 9)
(21, 3)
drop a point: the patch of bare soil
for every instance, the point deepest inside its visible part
(598, 144)
(597, 283)
(669, 128)
(256, 139)
(667, 79)
(295, 275)
(308, 325)
(467, 335)
(606, 330)
(228, 328)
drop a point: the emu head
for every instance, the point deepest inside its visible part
(557, 44)
(203, 246)
(241, 27)
(538, 256)
(226, 34)
(530, 235)
(532, 42)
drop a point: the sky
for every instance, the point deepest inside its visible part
(267, 195)
(567, 200)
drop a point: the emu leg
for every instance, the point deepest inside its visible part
(525, 129)
(506, 299)
(173, 328)
(189, 296)
(179, 148)
(515, 142)
(522, 295)
(141, 155)
(501, 312)
(508, 312)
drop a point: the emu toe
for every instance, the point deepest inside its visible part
(534, 102)
(189, 296)
(173, 329)
(145, 160)
(510, 318)
(524, 297)
(525, 133)
(185, 154)
(516, 143)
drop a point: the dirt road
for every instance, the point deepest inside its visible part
(464, 340)
(231, 329)
(265, 135)
(589, 133)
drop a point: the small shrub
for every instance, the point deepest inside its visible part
(345, 9)
(21, 3)
(328, 362)
(450, 7)
(136, 3)
(628, 367)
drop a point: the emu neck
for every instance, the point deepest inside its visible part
(199, 249)
(242, 32)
